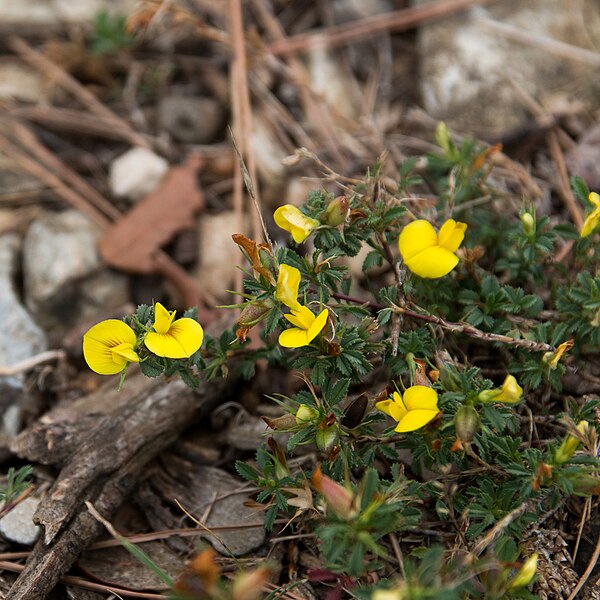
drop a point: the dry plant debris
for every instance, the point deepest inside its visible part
(434, 433)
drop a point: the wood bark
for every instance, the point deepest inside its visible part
(102, 444)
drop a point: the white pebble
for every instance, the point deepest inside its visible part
(18, 526)
(136, 173)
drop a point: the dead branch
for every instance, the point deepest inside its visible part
(102, 458)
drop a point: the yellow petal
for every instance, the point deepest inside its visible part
(99, 342)
(420, 397)
(432, 262)
(416, 237)
(385, 406)
(394, 407)
(288, 283)
(162, 318)
(125, 352)
(594, 198)
(291, 219)
(317, 325)
(294, 320)
(511, 390)
(590, 223)
(183, 339)
(302, 318)
(452, 233)
(293, 338)
(415, 419)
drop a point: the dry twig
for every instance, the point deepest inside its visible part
(400, 20)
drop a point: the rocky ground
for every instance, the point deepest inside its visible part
(119, 185)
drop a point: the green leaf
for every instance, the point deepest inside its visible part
(373, 259)
(580, 188)
(245, 471)
(150, 368)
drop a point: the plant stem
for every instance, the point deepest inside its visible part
(452, 326)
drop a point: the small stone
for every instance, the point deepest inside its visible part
(58, 249)
(18, 526)
(136, 173)
(19, 82)
(64, 278)
(268, 151)
(191, 120)
(56, 12)
(228, 508)
(20, 336)
(218, 253)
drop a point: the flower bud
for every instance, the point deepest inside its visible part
(525, 574)
(279, 459)
(466, 422)
(339, 498)
(387, 595)
(442, 136)
(305, 414)
(528, 221)
(337, 211)
(585, 485)
(254, 312)
(326, 437)
(570, 443)
(283, 423)
(249, 585)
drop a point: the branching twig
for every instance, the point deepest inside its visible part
(452, 326)
(492, 535)
(33, 361)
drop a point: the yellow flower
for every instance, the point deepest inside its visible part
(173, 339)
(569, 444)
(306, 327)
(553, 358)
(288, 282)
(290, 218)
(592, 220)
(428, 254)
(510, 392)
(525, 574)
(108, 347)
(413, 411)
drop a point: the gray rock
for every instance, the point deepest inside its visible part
(18, 526)
(20, 336)
(467, 64)
(55, 12)
(64, 277)
(217, 491)
(246, 432)
(58, 249)
(219, 255)
(191, 120)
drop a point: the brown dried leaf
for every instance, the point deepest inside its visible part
(133, 241)
(252, 249)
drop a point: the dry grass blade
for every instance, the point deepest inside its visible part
(47, 67)
(400, 20)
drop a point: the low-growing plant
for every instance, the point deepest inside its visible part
(432, 392)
